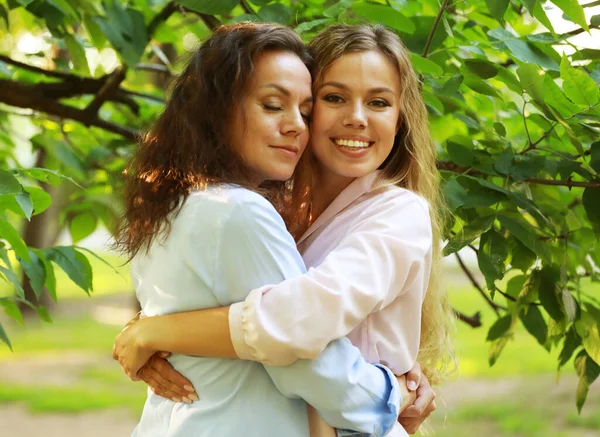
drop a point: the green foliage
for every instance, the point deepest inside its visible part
(514, 109)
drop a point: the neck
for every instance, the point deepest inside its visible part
(328, 187)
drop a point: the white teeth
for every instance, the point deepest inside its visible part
(352, 143)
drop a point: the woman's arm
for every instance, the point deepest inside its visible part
(387, 253)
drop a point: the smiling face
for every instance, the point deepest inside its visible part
(270, 128)
(355, 116)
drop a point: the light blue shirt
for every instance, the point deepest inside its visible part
(224, 242)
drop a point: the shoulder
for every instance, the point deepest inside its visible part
(393, 200)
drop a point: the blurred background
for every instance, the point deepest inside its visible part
(511, 87)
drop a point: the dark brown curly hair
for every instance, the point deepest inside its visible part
(189, 146)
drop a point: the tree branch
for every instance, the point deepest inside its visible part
(161, 17)
(155, 68)
(450, 166)
(29, 96)
(473, 321)
(436, 23)
(108, 89)
(479, 288)
(49, 73)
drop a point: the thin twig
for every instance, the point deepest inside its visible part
(49, 73)
(436, 23)
(247, 8)
(473, 321)
(161, 17)
(525, 120)
(473, 280)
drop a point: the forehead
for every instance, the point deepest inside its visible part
(368, 69)
(283, 68)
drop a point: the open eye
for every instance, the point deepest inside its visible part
(380, 103)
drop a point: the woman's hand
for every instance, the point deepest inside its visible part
(414, 415)
(408, 396)
(165, 381)
(129, 349)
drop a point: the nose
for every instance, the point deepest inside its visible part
(293, 123)
(356, 116)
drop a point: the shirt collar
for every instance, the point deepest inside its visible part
(357, 188)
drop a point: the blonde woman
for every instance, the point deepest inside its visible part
(365, 211)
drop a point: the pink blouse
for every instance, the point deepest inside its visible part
(369, 260)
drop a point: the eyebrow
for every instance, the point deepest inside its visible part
(376, 90)
(285, 91)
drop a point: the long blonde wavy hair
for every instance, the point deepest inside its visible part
(411, 165)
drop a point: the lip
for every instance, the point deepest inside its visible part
(353, 153)
(291, 151)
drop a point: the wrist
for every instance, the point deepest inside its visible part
(143, 334)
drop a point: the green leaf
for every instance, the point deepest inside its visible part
(569, 304)
(496, 348)
(480, 86)
(549, 292)
(500, 129)
(385, 15)
(9, 233)
(4, 337)
(591, 204)
(454, 194)
(97, 37)
(574, 11)
(588, 371)
(492, 257)
(9, 185)
(497, 8)
(578, 86)
(572, 342)
(276, 13)
(310, 25)
(74, 264)
(25, 203)
(44, 314)
(469, 233)
(36, 273)
(451, 85)
(526, 235)
(425, 66)
(499, 328)
(522, 50)
(532, 81)
(595, 156)
(521, 257)
(49, 273)
(82, 225)
(534, 322)
(77, 54)
(589, 330)
(460, 150)
(8, 274)
(481, 68)
(12, 310)
(211, 7)
(39, 198)
(335, 10)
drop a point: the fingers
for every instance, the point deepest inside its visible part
(161, 371)
(413, 377)
(423, 405)
(158, 388)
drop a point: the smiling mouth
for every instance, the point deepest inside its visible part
(352, 144)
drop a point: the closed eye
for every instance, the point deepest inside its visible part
(272, 108)
(333, 98)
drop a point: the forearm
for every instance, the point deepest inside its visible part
(202, 333)
(346, 391)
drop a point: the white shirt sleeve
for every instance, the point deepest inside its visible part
(385, 253)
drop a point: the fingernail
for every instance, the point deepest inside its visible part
(186, 400)
(189, 388)
(412, 385)
(176, 400)
(193, 397)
